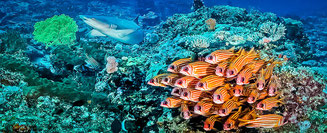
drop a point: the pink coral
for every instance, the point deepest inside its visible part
(112, 64)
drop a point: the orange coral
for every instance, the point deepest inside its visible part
(226, 102)
(211, 23)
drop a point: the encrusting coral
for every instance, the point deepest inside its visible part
(227, 87)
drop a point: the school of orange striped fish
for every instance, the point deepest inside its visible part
(229, 87)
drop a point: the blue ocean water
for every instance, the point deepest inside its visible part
(114, 66)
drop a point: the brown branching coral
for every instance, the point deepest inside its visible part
(211, 23)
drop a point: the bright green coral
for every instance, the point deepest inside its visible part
(58, 30)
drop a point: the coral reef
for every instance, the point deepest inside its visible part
(67, 89)
(57, 30)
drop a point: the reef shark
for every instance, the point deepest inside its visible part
(119, 29)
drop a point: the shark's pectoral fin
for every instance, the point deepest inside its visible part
(95, 33)
(123, 33)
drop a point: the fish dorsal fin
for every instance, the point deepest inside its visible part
(232, 49)
(126, 32)
(95, 32)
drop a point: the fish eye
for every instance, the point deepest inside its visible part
(166, 79)
(151, 81)
(199, 108)
(252, 98)
(220, 70)
(208, 125)
(218, 97)
(200, 84)
(185, 94)
(180, 82)
(234, 91)
(185, 69)
(210, 57)
(176, 91)
(228, 125)
(223, 111)
(231, 72)
(242, 79)
(261, 105)
(172, 67)
(164, 102)
(258, 84)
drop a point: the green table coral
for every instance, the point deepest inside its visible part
(58, 30)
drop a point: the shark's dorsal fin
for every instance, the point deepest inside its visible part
(95, 33)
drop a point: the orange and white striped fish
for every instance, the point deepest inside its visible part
(205, 107)
(265, 75)
(178, 64)
(156, 81)
(258, 64)
(177, 91)
(198, 69)
(269, 103)
(170, 79)
(186, 82)
(221, 69)
(272, 87)
(209, 123)
(256, 95)
(222, 94)
(230, 105)
(236, 66)
(220, 56)
(171, 102)
(250, 115)
(245, 75)
(232, 121)
(264, 121)
(240, 90)
(261, 81)
(187, 110)
(194, 95)
(210, 82)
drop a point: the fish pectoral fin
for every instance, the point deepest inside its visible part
(95, 33)
(123, 33)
